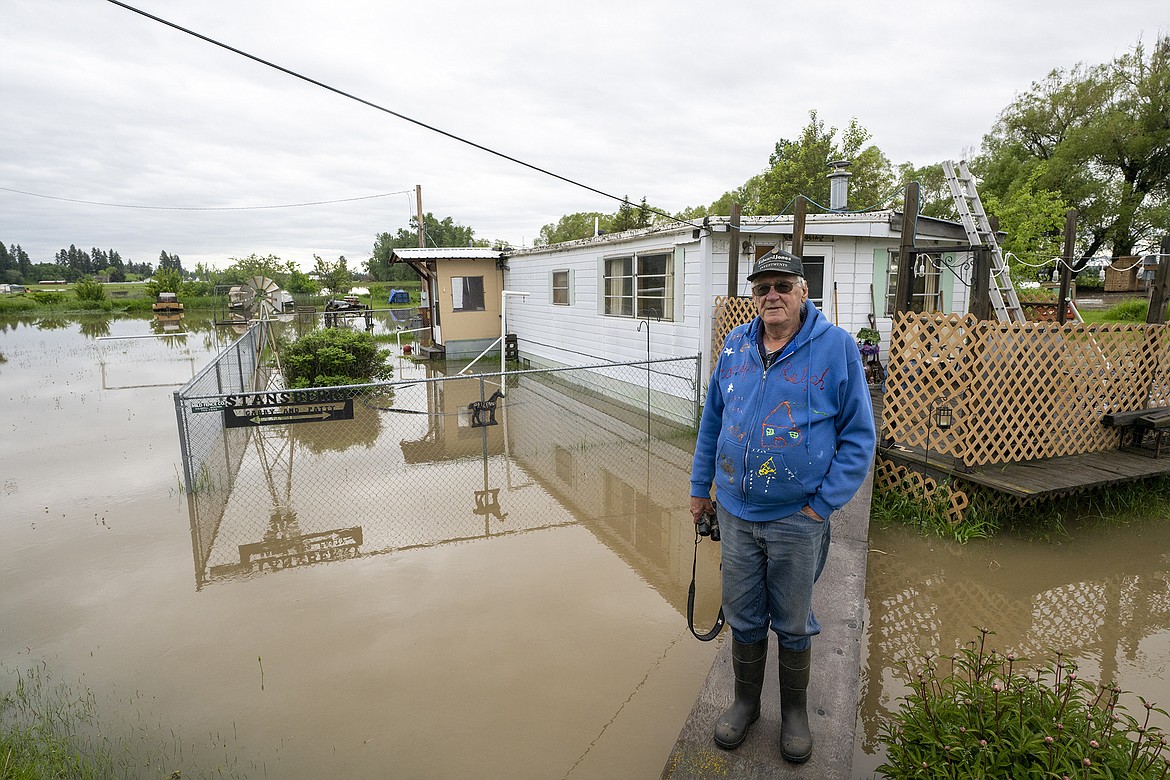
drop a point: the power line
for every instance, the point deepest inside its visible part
(389, 111)
(201, 208)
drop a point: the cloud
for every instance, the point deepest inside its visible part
(677, 102)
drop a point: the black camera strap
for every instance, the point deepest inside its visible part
(719, 621)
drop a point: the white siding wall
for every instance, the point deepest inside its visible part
(579, 334)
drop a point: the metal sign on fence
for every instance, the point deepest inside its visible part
(245, 410)
(278, 414)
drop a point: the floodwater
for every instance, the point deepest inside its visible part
(1100, 595)
(505, 601)
(541, 637)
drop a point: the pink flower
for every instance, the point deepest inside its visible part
(1087, 761)
(1093, 744)
(982, 743)
(1048, 740)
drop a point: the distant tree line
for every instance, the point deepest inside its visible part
(73, 264)
(436, 233)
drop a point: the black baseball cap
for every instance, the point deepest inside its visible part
(778, 262)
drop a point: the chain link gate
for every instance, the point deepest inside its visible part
(280, 478)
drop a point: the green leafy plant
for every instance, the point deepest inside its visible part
(165, 280)
(334, 356)
(88, 289)
(981, 714)
(868, 336)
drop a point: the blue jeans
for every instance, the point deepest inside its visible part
(768, 573)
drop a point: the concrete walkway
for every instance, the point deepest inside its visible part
(839, 602)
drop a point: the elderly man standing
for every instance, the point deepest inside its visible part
(787, 436)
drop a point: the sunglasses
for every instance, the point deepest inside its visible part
(763, 288)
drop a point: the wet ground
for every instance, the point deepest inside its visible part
(550, 643)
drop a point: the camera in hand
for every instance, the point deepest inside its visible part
(708, 526)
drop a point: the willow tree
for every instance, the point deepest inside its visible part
(1093, 137)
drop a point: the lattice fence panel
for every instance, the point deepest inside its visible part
(889, 476)
(1019, 391)
(730, 312)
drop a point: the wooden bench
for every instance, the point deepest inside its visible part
(1141, 421)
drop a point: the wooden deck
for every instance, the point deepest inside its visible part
(1048, 478)
(1036, 479)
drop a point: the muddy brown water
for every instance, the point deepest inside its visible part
(1100, 595)
(548, 644)
(558, 651)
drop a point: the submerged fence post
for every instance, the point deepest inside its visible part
(188, 478)
(698, 389)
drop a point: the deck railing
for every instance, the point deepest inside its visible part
(1018, 392)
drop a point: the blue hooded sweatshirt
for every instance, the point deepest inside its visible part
(799, 433)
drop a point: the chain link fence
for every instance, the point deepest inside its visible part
(280, 478)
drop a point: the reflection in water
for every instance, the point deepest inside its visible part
(420, 467)
(167, 324)
(53, 322)
(1101, 602)
(94, 326)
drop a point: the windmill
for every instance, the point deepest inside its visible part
(263, 296)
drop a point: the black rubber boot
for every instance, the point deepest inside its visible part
(748, 661)
(796, 742)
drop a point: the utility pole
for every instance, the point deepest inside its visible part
(1066, 273)
(422, 236)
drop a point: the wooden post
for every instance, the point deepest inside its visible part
(1066, 274)
(904, 291)
(980, 305)
(733, 251)
(800, 210)
(1160, 292)
(422, 234)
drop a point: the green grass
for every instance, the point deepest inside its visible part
(1116, 505)
(1132, 310)
(54, 729)
(65, 301)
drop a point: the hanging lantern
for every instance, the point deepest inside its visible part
(943, 416)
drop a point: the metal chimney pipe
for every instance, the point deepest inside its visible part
(839, 185)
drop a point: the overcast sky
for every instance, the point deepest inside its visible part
(675, 101)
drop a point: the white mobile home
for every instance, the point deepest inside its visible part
(594, 299)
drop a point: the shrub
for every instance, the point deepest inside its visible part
(334, 356)
(986, 718)
(88, 289)
(165, 280)
(48, 297)
(195, 289)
